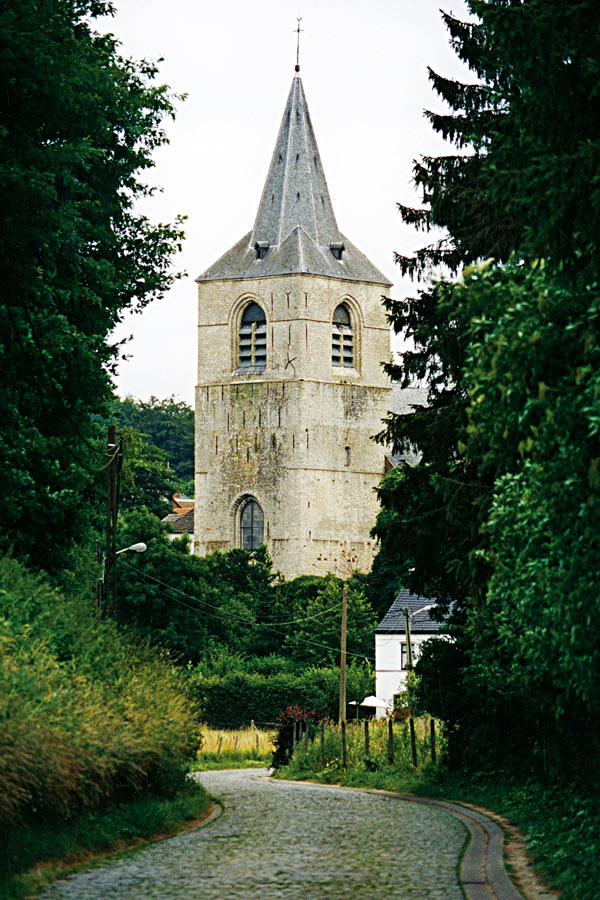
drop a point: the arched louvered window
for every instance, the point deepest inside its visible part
(252, 525)
(253, 338)
(342, 342)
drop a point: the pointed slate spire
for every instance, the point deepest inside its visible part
(295, 228)
(295, 192)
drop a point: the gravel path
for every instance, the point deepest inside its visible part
(284, 841)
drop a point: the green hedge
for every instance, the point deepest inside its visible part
(233, 701)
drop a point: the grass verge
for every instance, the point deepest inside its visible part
(33, 857)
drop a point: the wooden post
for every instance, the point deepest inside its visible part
(235, 743)
(432, 739)
(367, 746)
(306, 737)
(257, 744)
(219, 747)
(110, 561)
(391, 740)
(342, 710)
(294, 737)
(344, 755)
(322, 744)
(413, 742)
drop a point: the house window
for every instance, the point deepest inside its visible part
(253, 338)
(342, 341)
(404, 655)
(252, 525)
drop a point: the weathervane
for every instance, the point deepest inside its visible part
(298, 30)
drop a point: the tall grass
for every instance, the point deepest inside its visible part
(223, 748)
(88, 717)
(327, 764)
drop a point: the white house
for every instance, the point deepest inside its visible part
(391, 658)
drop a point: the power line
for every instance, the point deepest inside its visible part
(221, 614)
(307, 618)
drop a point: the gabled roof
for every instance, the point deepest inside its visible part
(295, 229)
(183, 523)
(421, 620)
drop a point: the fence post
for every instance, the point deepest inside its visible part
(306, 737)
(219, 747)
(432, 736)
(344, 755)
(257, 744)
(366, 737)
(235, 743)
(322, 744)
(391, 740)
(413, 741)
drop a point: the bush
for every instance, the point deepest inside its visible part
(233, 701)
(88, 716)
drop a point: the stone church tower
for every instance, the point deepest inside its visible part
(291, 336)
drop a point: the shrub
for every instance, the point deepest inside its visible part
(88, 716)
(233, 701)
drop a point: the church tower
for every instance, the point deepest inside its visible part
(291, 336)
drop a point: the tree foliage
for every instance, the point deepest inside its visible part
(169, 425)
(78, 126)
(501, 512)
(526, 133)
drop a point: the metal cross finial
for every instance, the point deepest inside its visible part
(298, 30)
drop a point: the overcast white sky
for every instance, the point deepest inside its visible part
(364, 69)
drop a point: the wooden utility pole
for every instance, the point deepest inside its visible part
(342, 710)
(113, 471)
(409, 653)
(409, 666)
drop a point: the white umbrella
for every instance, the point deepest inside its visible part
(372, 700)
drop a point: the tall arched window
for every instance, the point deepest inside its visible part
(252, 525)
(342, 344)
(253, 338)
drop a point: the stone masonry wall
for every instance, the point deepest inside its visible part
(297, 437)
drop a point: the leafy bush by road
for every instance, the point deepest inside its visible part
(88, 716)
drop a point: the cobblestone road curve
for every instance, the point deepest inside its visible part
(282, 841)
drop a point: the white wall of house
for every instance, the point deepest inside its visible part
(390, 662)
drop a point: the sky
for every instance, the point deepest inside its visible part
(364, 69)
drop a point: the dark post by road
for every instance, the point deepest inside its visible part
(391, 740)
(110, 572)
(344, 755)
(367, 737)
(432, 739)
(342, 711)
(322, 744)
(413, 742)
(306, 737)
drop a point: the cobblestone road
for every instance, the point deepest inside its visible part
(282, 841)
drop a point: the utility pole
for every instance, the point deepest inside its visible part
(409, 653)
(342, 711)
(409, 666)
(113, 471)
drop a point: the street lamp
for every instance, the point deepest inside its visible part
(110, 577)
(407, 617)
(137, 548)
